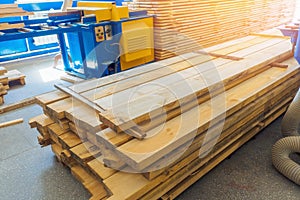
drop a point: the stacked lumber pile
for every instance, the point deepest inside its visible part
(3, 84)
(3, 91)
(190, 112)
(11, 10)
(6, 77)
(184, 25)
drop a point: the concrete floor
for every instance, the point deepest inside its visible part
(30, 172)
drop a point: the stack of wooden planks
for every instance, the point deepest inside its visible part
(3, 91)
(190, 112)
(184, 25)
(3, 84)
(6, 77)
(12, 10)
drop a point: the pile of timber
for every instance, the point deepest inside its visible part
(182, 25)
(238, 88)
(12, 10)
(3, 84)
(6, 77)
(3, 91)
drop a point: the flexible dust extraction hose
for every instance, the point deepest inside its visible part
(291, 119)
(290, 144)
(281, 160)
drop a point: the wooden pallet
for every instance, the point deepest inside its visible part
(103, 160)
(7, 77)
(3, 91)
(15, 75)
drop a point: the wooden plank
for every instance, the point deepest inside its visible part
(119, 139)
(12, 122)
(89, 85)
(16, 14)
(133, 154)
(177, 77)
(69, 140)
(20, 104)
(235, 143)
(57, 150)
(6, 26)
(241, 120)
(3, 6)
(248, 41)
(43, 141)
(89, 182)
(85, 152)
(78, 97)
(57, 109)
(120, 120)
(84, 117)
(141, 185)
(71, 79)
(50, 97)
(98, 168)
(41, 120)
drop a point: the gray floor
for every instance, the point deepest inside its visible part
(30, 172)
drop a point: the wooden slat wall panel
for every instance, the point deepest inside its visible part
(182, 25)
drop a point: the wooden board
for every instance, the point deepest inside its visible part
(10, 123)
(120, 120)
(140, 154)
(20, 104)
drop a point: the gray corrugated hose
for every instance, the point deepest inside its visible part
(290, 144)
(291, 119)
(281, 160)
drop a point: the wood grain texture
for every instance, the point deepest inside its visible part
(182, 25)
(106, 159)
(10, 123)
